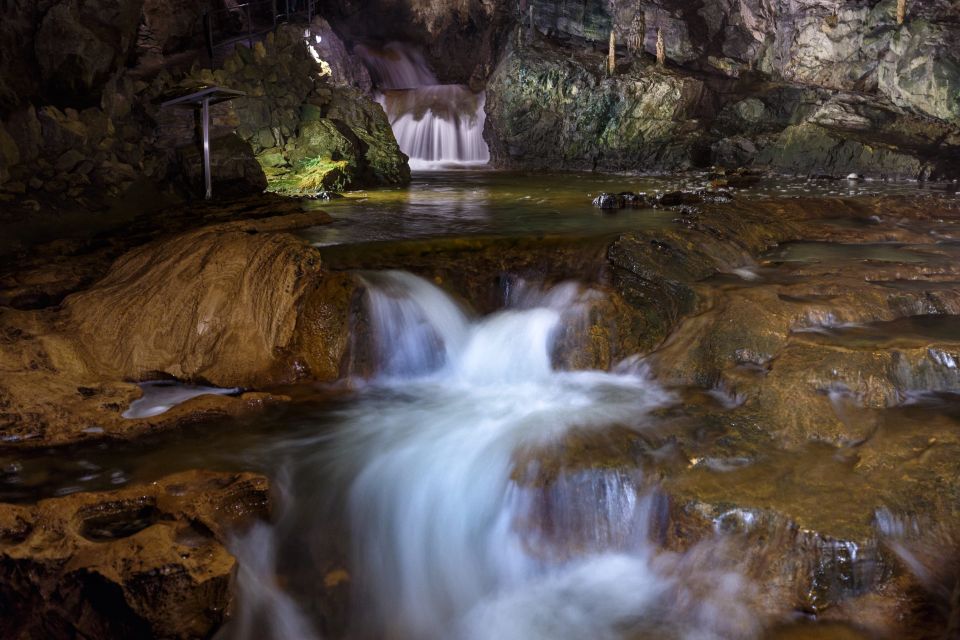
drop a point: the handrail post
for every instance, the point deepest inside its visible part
(273, 9)
(208, 179)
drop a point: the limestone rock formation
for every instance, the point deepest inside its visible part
(240, 304)
(308, 131)
(221, 304)
(836, 45)
(144, 561)
(548, 107)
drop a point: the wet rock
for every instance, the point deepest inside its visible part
(144, 561)
(624, 199)
(608, 201)
(278, 316)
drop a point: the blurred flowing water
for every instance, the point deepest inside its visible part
(436, 125)
(445, 540)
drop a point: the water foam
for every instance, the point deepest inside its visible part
(451, 536)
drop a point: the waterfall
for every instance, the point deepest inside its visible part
(454, 530)
(436, 125)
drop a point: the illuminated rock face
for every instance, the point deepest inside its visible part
(548, 106)
(145, 561)
(307, 124)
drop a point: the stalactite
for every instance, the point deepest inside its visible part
(637, 33)
(612, 56)
(661, 50)
(901, 11)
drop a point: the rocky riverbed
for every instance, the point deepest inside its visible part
(766, 316)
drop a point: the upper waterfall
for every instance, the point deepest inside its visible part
(436, 125)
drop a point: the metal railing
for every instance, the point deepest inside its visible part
(251, 20)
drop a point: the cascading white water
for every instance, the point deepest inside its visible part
(452, 537)
(436, 125)
(447, 542)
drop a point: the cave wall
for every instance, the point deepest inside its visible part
(64, 52)
(81, 126)
(799, 86)
(838, 44)
(462, 39)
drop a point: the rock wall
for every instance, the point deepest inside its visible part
(64, 52)
(549, 106)
(81, 123)
(461, 38)
(838, 44)
(831, 87)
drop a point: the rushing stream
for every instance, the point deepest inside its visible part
(447, 531)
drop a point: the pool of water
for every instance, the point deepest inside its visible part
(910, 331)
(836, 253)
(485, 202)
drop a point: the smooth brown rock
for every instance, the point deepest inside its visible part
(236, 304)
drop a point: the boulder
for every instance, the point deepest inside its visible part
(382, 160)
(59, 387)
(607, 201)
(231, 312)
